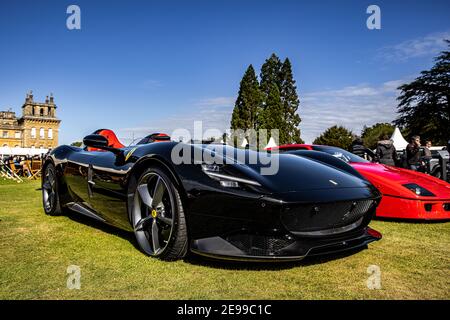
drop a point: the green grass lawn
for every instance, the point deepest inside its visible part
(35, 251)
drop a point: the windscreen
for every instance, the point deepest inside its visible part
(340, 154)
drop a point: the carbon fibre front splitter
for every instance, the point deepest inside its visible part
(226, 249)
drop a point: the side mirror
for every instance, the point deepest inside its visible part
(95, 141)
(100, 142)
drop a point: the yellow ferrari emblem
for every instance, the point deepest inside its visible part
(154, 213)
(130, 153)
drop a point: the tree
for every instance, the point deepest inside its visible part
(337, 137)
(270, 74)
(424, 104)
(371, 135)
(258, 104)
(291, 102)
(77, 144)
(247, 103)
(271, 117)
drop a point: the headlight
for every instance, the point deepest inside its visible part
(418, 190)
(215, 171)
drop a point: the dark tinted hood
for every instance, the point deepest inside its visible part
(293, 174)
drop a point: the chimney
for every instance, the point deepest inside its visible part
(46, 99)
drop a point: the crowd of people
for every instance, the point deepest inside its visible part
(415, 157)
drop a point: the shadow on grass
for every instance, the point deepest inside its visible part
(198, 260)
(270, 266)
(107, 228)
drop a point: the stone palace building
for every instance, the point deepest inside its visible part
(38, 126)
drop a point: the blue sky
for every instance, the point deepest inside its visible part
(144, 66)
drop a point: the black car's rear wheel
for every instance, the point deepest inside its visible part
(50, 196)
(157, 216)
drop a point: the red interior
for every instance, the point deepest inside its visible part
(113, 141)
(160, 137)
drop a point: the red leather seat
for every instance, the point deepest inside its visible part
(113, 141)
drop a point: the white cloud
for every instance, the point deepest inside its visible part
(216, 102)
(351, 107)
(428, 45)
(215, 113)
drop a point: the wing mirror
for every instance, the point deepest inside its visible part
(100, 142)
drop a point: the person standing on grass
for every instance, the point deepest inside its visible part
(426, 150)
(413, 153)
(386, 152)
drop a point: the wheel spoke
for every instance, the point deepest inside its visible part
(155, 236)
(51, 178)
(158, 193)
(46, 185)
(165, 220)
(45, 194)
(140, 225)
(145, 195)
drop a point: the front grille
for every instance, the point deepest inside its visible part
(325, 216)
(259, 245)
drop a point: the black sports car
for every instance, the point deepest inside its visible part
(225, 209)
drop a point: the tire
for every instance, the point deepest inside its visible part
(157, 215)
(50, 194)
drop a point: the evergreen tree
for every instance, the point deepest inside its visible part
(271, 117)
(247, 103)
(424, 105)
(337, 137)
(270, 73)
(291, 102)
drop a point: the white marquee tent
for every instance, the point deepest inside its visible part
(399, 142)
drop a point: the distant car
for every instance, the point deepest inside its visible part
(406, 194)
(225, 210)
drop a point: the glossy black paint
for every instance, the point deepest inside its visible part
(222, 221)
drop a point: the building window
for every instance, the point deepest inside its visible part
(33, 133)
(42, 133)
(5, 145)
(5, 134)
(16, 146)
(50, 133)
(42, 112)
(17, 135)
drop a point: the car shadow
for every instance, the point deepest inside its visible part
(107, 228)
(195, 259)
(198, 260)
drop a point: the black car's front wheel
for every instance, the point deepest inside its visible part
(157, 216)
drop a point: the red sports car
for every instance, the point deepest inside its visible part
(406, 194)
